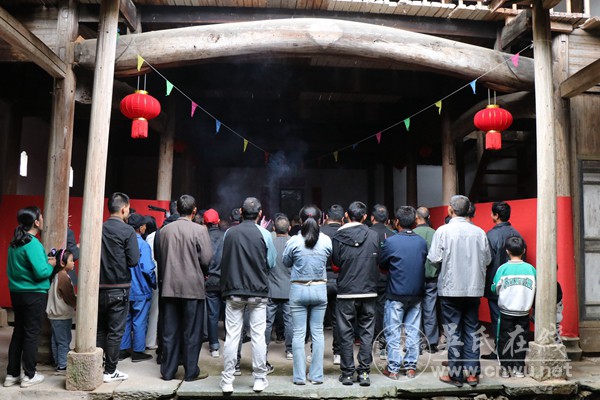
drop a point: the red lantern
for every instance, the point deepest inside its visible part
(140, 107)
(493, 120)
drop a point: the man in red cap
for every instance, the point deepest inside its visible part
(213, 283)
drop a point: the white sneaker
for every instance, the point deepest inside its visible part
(214, 353)
(308, 359)
(289, 355)
(27, 381)
(260, 384)
(337, 359)
(12, 380)
(504, 373)
(226, 387)
(115, 376)
(519, 375)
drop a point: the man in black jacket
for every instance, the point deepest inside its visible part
(119, 253)
(501, 231)
(335, 215)
(248, 255)
(355, 253)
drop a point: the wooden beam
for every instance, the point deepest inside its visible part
(514, 29)
(302, 37)
(26, 42)
(548, 4)
(129, 13)
(581, 80)
(173, 17)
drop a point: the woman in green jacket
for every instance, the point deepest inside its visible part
(28, 269)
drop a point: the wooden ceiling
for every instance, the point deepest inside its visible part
(304, 106)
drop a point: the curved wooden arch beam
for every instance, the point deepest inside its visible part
(313, 36)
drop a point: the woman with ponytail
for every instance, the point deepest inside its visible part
(28, 269)
(306, 254)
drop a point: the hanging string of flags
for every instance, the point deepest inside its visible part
(406, 121)
(194, 106)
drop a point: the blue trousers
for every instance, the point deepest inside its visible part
(461, 325)
(61, 340)
(284, 306)
(214, 304)
(136, 325)
(398, 316)
(308, 300)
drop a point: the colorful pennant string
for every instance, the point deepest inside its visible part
(406, 121)
(140, 61)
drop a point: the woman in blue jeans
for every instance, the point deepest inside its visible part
(307, 255)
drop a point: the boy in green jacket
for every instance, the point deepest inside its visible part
(515, 284)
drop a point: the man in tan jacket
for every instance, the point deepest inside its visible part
(186, 251)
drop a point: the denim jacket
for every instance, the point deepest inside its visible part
(307, 264)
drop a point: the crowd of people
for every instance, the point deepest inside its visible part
(385, 279)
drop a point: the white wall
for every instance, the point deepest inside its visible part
(429, 186)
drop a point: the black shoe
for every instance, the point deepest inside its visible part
(363, 379)
(137, 356)
(433, 349)
(123, 354)
(346, 380)
(491, 356)
(270, 368)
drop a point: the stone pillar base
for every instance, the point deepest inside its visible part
(3, 318)
(548, 362)
(574, 351)
(84, 370)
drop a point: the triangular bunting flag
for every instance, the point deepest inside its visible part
(438, 104)
(140, 61)
(473, 86)
(515, 60)
(245, 144)
(218, 123)
(169, 87)
(266, 158)
(407, 124)
(194, 106)
(335, 155)
(378, 136)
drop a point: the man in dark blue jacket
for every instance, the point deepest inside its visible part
(496, 236)
(403, 256)
(355, 253)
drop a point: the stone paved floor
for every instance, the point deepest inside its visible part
(144, 381)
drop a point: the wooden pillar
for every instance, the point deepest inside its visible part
(388, 187)
(449, 186)
(93, 203)
(164, 184)
(544, 353)
(56, 200)
(411, 178)
(560, 72)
